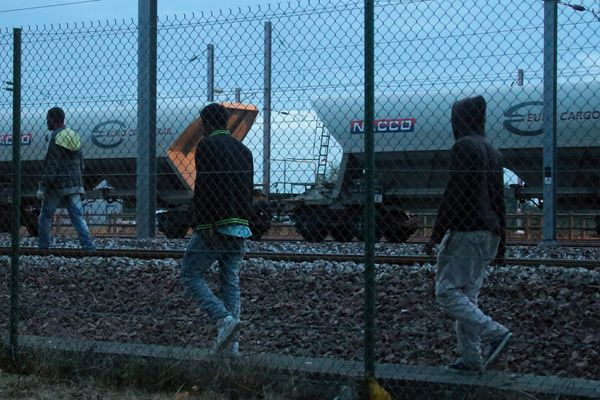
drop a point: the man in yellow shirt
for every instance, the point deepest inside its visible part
(62, 181)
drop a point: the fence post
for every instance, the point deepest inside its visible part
(13, 332)
(146, 123)
(549, 124)
(267, 113)
(370, 296)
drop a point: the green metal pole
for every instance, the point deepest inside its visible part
(16, 201)
(370, 298)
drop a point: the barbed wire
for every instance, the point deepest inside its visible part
(579, 7)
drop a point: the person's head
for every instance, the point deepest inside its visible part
(214, 117)
(55, 118)
(468, 117)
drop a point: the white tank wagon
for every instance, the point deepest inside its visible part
(413, 136)
(109, 142)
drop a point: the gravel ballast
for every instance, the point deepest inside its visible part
(315, 309)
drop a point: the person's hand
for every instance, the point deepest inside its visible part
(40, 194)
(428, 248)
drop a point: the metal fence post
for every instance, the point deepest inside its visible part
(267, 113)
(549, 124)
(210, 72)
(16, 194)
(370, 297)
(146, 123)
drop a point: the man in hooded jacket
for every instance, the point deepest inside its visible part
(471, 226)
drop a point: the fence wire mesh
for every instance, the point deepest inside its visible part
(304, 190)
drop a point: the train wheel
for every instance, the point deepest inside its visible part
(174, 223)
(312, 231)
(33, 230)
(393, 226)
(260, 223)
(398, 236)
(378, 233)
(343, 233)
(176, 232)
(29, 218)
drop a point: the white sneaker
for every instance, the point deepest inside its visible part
(234, 350)
(226, 329)
(497, 346)
(463, 366)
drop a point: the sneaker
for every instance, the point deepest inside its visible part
(233, 351)
(461, 365)
(496, 347)
(226, 329)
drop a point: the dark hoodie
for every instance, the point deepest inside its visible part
(474, 197)
(224, 182)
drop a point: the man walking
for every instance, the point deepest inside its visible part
(471, 226)
(222, 205)
(62, 183)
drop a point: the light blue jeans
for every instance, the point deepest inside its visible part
(462, 260)
(73, 205)
(204, 248)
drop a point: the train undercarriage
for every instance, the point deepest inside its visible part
(315, 223)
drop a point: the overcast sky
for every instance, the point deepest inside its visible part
(421, 46)
(35, 12)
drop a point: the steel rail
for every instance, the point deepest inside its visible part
(147, 254)
(534, 242)
(420, 240)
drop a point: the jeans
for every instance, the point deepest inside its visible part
(462, 260)
(73, 205)
(204, 248)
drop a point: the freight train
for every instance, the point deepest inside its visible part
(413, 136)
(109, 138)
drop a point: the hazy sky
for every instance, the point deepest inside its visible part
(22, 12)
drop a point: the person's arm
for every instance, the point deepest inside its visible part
(251, 172)
(250, 181)
(500, 210)
(462, 166)
(50, 169)
(201, 160)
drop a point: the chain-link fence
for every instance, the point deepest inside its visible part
(292, 76)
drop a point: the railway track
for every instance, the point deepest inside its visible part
(297, 257)
(298, 238)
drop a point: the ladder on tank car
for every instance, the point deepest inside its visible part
(323, 154)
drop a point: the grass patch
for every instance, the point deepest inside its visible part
(93, 374)
(78, 373)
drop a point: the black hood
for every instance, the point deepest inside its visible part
(468, 117)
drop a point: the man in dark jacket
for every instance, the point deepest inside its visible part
(471, 226)
(62, 183)
(222, 205)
